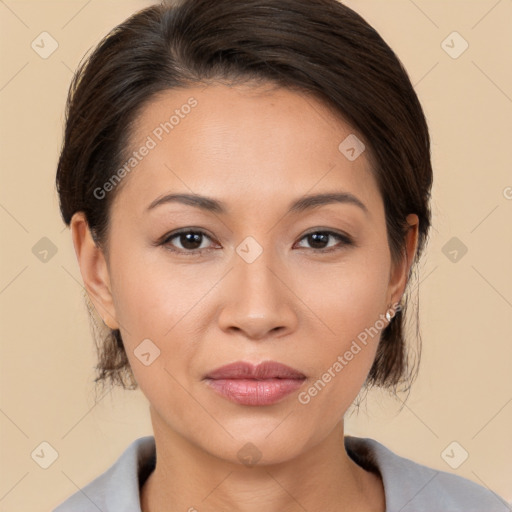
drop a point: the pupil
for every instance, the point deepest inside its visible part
(318, 237)
(189, 239)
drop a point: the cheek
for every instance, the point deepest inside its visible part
(152, 294)
(166, 304)
(348, 306)
(349, 297)
(335, 302)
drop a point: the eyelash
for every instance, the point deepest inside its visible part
(165, 241)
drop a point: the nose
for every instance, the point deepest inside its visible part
(258, 299)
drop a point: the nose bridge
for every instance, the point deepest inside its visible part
(257, 301)
(257, 275)
(254, 270)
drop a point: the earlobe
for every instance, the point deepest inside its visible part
(94, 270)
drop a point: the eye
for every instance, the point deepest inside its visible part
(187, 241)
(319, 240)
(194, 241)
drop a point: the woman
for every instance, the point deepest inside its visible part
(247, 186)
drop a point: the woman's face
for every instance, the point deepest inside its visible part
(254, 283)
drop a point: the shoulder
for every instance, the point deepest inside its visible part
(413, 487)
(117, 489)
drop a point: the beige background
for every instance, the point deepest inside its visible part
(464, 389)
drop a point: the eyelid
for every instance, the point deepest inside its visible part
(343, 238)
(330, 231)
(165, 240)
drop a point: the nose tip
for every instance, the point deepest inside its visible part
(256, 328)
(257, 303)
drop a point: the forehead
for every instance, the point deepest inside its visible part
(256, 143)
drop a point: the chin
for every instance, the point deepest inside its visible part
(260, 444)
(257, 452)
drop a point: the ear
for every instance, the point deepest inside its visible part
(400, 272)
(94, 270)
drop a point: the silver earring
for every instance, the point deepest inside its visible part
(388, 316)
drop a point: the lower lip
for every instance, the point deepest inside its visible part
(255, 392)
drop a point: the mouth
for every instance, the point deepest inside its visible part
(247, 384)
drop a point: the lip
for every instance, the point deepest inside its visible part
(247, 384)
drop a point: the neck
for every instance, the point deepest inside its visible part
(187, 478)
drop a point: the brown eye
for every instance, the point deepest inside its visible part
(319, 240)
(191, 241)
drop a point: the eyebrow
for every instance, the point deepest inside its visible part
(300, 205)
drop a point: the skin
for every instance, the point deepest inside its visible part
(256, 149)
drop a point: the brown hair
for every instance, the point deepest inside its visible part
(316, 46)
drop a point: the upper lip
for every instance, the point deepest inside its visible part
(261, 371)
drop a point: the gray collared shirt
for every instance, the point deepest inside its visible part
(408, 486)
